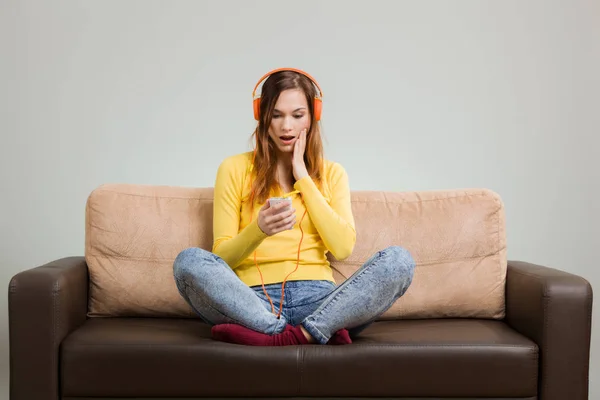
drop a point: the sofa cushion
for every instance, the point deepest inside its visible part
(154, 357)
(132, 235)
(457, 238)
(134, 232)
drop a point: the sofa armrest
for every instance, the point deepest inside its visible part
(45, 304)
(554, 309)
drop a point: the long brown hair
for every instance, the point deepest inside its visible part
(265, 165)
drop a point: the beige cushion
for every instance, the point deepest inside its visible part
(134, 232)
(457, 239)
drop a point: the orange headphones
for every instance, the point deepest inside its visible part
(317, 112)
(317, 101)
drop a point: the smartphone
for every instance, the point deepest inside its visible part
(276, 200)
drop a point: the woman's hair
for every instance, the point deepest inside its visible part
(265, 165)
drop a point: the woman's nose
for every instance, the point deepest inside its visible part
(287, 124)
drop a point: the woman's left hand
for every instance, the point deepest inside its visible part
(298, 165)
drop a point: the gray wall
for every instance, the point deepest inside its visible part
(418, 95)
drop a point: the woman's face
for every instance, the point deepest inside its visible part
(290, 117)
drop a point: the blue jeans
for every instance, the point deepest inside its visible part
(218, 296)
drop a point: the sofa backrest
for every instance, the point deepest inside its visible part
(457, 238)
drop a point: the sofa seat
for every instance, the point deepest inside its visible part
(155, 357)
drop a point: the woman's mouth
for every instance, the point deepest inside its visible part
(287, 139)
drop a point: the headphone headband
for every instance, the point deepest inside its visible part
(287, 69)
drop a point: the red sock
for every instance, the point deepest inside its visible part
(233, 333)
(340, 337)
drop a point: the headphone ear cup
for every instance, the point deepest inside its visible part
(318, 106)
(256, 106)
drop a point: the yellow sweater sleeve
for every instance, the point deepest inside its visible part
(229, 244)
(334, 221)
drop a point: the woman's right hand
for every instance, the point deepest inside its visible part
(280, 217)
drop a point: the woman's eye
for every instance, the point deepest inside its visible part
(275, 116)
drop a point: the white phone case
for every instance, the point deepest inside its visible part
(275, 200)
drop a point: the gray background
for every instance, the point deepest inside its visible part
(419, 95)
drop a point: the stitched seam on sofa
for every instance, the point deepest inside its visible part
(545, 334)
(502, 267)
(420, 264)
(157, 197)
(352, 200)
(157, 260)
(131, 258)
(56, 317)
(431, 262)
(420, 201)
(474, 346)
(588, 336)
(354, 345)
(300, 364)
(498, 246)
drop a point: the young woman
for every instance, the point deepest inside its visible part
(267, 280)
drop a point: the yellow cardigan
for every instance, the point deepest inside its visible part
(328, 225)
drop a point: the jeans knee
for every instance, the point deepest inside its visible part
(185, 262)
(401, 262)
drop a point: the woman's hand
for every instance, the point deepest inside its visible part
(280, 217)
(298, 165)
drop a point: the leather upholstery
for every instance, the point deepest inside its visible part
(302, 398)
(554, 309)
(45, 304)
(175, 357)
(540, 351)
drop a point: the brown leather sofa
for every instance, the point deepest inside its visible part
(539, 350)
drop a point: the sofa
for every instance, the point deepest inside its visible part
(110, 324)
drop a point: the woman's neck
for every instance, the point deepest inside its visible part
(285, 176)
